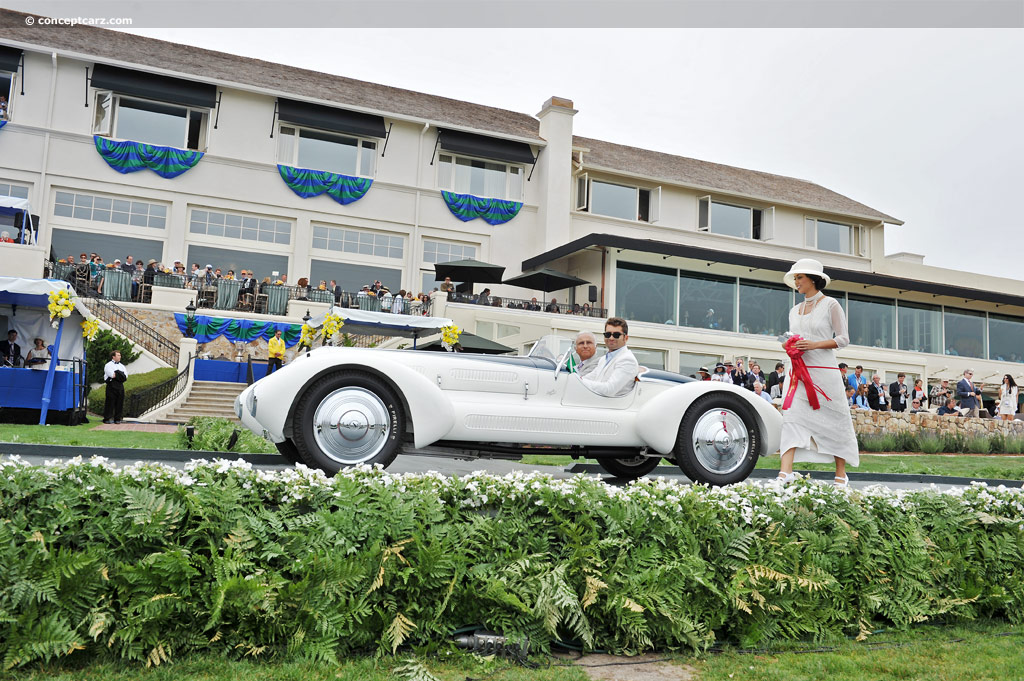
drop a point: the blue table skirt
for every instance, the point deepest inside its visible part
(23, 388)
(227, 372)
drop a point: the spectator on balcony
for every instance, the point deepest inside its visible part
(385, 299)
(398, 303)
(337, 291)
(128, 265)
(230, 276)
(147, 276)
(265, 284)
(447, 286)
(586, 311)
(5, 237)
(376, 287)
(217, 274)
(194, 275)
(247, 292)
(484, 298)
(552, 306)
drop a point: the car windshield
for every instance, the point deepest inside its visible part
(550, 347)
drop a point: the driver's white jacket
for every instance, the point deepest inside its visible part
(614, 375)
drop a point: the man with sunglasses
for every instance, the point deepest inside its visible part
(616, 372)
(968, 394)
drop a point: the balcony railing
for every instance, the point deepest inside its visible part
(534, 305)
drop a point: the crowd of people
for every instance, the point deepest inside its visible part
(90, 268)
(533, 305)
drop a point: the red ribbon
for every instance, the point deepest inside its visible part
(800, 373)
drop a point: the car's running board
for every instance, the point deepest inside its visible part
(480, 450)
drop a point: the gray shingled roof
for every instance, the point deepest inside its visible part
(714, 176)
(207, 64)
(220, 66)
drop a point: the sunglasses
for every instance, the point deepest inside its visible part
(613, 334)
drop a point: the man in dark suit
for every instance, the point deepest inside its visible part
(898, 392)
(10, 352)
(968, 394)
(776, 377)
(247, 293)
(337, 291)
(877, 398)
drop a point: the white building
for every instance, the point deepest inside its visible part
(691, 252)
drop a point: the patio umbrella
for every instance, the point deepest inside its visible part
(471, 342)
(469, 270)
(546, 280)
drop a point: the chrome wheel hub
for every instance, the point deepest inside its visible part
(720, 440)
(351, 425)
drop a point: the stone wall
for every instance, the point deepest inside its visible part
(879, 422)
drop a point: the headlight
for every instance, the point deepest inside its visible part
(251, 403)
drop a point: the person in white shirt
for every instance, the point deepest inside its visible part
(617, 370)
(759, 391)
(586, 350)
(114, 375)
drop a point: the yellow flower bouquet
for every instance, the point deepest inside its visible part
(90, 327)
(61, 305)
(332, 323)
(306, 336)
(450, 336)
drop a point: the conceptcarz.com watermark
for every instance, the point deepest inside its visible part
(78, 21)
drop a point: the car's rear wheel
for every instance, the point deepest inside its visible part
(346, 419)
(286, 448)
(630, 468)
(719, 440)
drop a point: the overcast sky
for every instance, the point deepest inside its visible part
(924, 125)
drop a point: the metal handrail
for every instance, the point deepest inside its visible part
(126, 324)
(144, 401)
(530, 305)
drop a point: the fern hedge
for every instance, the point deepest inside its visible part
(146, 563)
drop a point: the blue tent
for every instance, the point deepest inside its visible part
(10, 205)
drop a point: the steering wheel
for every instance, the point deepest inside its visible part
(561, 362)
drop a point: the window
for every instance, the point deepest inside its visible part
(152, 122)
(618, 200)
(652, 359)
(690, 362)
(646, 293)
(871, 321)
(247, 227)
(489, 179)
(361, 243)
(964, 333)
(6, 94)
(352, 277)
(443, 251)
(118, 211)
(318, 150)
(835, 237)
(732, 220)
(764, 308)
(16, 191)
(1004, 338)
(707, 302)
(920, 327)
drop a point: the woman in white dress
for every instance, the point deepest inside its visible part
(1007, 398)
(825, 434)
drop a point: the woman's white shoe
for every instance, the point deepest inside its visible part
(786, 478)
(842, 481)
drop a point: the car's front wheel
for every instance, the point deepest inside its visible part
(630, 468)
(346, 419)
(719, 440)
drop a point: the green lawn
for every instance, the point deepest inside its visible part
(86, 436)
(983, 651)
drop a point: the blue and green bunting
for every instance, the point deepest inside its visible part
(3, 123)
(493, 211)
(129, 157)
(342, 188)
(209, 328)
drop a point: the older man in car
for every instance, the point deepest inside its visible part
(586, 349)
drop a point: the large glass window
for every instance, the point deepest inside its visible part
(143, 120)
(965, 333)
(1005, 338)
(362, 243)
(16, 190)
(248, 227)
(764, 308)
(110, 209)
(443, 251)
(707, 302)
(920, 327)
(652, 359)
(6, 94)
(690, 362)
(731, 220)
(645, 293)
(872, 321)
(317, 150)
(613, 200)
(481, 178)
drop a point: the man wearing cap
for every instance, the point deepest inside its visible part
(939, 393)
(616, 372)
(147, 276)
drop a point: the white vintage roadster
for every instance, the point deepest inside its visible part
(336, 407)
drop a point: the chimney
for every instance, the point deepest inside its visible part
(554, 171)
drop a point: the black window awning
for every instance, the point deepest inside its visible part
(486, 147)
(10, 58)
(330, 118)
(152, 86)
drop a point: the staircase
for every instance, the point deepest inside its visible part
(207, 398)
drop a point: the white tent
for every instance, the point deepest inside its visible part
(10, 205)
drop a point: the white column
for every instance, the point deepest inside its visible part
(554, 172)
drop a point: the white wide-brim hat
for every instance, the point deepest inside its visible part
(805, 266)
